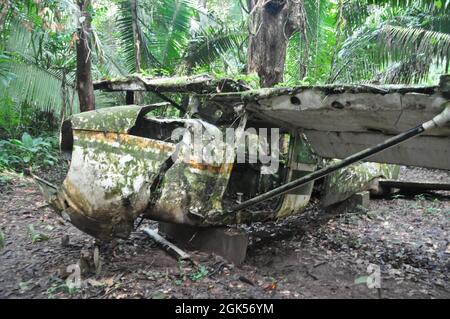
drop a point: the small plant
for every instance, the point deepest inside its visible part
(420, 197)
(27, 152)
(433, 208)
(23, 286)
(398, 196)
(4, 180)
(2, 240)
(55, 288)
(58, 285)
(35, 236)
(199, 274)
(183, 274)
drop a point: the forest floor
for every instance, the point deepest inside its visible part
(312, 255)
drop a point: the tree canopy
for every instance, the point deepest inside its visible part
(335, 41)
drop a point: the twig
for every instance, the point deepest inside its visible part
(246, 280)
(42, 180)
(319, 264)
(311, 275)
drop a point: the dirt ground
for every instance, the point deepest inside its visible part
(316, 254)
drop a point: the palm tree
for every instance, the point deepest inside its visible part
(393, 41)
(34, 70)
(37, 55)
(387, 41)
(171, 39)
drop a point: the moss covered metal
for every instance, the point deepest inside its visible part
(344, 183)
(114, 177)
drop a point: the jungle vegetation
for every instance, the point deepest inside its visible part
(51, 50)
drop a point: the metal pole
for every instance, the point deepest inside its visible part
(439, 120)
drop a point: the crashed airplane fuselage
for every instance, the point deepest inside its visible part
(122, 167)
(126, 163)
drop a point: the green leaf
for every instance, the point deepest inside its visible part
(27, 140)
(35, 236)
(23, 286)
(2, 240)
(396, 46)
(438, 4)
(15, 142)
(361, 280)
(199, 274)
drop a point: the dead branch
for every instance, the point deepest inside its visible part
(168, 246)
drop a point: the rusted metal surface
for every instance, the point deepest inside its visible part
(115, 176)
(200, 84)
(124, 163)
(301, 162)
(340, 120)
(191, 191)
(342, 184)
(108, 183)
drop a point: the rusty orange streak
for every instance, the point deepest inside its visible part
(146, 143)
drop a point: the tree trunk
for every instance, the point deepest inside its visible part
(84, 73)
(271, 24)
(188, 64)
(201, 4)
(62, 115)
(138, 96)
(137, 40)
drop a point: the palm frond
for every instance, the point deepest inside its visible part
(440, 23)
(171, 30)
(425, 5)
(106, 54)
(107, 99)
(401, 42)
(355, 12)
(40, 87)
(211, 44)
(309, 53)
(32, 82)
(5, 74)
(124, 24)
(411, 70)
(396, 45)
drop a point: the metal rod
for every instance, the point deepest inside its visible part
(439, 120)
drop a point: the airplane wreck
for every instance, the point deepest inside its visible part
(124, 162)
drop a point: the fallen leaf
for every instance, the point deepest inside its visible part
(271, 286)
